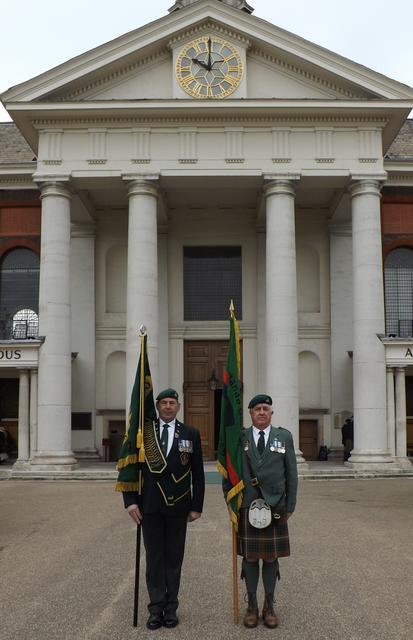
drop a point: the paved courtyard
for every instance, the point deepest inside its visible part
(66, 565)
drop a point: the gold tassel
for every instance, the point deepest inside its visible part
(139, 440)
(141, 457)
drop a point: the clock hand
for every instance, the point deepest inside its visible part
(209, 55)
(201, 64)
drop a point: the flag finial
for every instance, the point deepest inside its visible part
(142, 329)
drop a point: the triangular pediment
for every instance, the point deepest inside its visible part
(270, 74)
(139, 66)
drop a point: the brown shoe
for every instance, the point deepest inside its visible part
(251, 615)
(269, 616)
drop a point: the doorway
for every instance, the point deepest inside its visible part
(204, 367)
(309, 439)
(116, 434)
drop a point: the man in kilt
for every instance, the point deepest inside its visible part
(269, 461)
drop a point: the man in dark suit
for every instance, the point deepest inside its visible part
(172, 495)
(269, 473)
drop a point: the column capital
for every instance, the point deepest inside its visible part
(142, 185)
(59, 187)
(365, 186)
(280, 185)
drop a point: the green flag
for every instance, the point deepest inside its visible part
(229, 461)
(141, 414)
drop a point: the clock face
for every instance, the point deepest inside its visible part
(209, 68)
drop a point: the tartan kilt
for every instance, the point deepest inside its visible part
(266, 544)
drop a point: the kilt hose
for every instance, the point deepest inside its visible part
(266, 544)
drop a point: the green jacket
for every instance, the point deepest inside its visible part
(276, 470)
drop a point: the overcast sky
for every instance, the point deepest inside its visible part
(37, 35)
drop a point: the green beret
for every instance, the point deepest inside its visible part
(167, 393)
(261, 398)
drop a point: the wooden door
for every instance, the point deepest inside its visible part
(204, 367)
(309, 439)
(116, 434)
(409, 436)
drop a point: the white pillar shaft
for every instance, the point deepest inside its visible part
(391, 418)
(54, 382)
(401, 436)
(281, 306)
(369, 369)
(142, 279)
(33, 412)
(23, 427)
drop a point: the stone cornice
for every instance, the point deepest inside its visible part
(178, 120)
(304, 74)
(320, 332)
(22, 182)
(209, 331)
(115, 76)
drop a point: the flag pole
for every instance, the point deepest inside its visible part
(234, 574)
(142, 333)
(137, 568)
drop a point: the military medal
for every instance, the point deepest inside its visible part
(272, 448)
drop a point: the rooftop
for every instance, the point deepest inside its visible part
(13, 147)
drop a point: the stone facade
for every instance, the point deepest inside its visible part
(289, 166)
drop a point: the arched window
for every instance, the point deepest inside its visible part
(25, 325)
(19, 288)
(398, 289)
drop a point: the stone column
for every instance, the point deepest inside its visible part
(54, 382)
(142, 279)
(369, 369)
(23, 425)
(401, 435)
(281, 324)
(391, 417)
(33, 412)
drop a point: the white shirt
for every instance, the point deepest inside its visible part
(256, 432)
(171, 433)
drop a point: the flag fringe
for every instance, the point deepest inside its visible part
(125, 462)
(127, 486)
(235, 490)
(222, 470)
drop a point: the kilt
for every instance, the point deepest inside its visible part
(267, 544)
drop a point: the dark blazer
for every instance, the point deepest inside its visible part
(276, 470)
(180, 488)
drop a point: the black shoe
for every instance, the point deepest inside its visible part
(155, 621)
(170, 620)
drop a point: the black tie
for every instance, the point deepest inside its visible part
(164, 439)
(261, 443)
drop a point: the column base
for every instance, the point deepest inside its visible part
(22, 465)
(370, 460)
(404, 462)
(54, 461)
(301, 461)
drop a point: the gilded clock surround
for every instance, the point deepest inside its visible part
(209, 67)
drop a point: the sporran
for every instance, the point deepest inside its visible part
(259, 514)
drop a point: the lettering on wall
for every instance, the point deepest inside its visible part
(10, 354)
(408, 353)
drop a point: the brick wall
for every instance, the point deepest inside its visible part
(19, 226)
(397, 221)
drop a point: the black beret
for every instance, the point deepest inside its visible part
(167, 393)
(261, 398)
